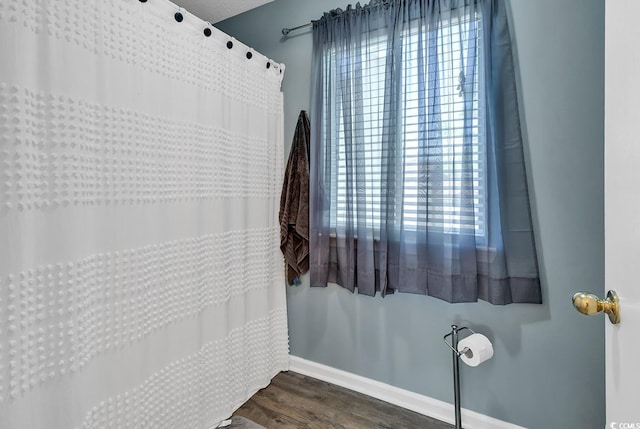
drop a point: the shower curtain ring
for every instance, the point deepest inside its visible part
(178, 15)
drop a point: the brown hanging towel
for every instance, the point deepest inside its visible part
(294, 203)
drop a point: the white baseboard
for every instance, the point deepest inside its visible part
(394, 395)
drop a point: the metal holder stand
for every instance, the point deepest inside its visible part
(456, 367)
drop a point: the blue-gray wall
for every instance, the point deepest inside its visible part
(548, 368)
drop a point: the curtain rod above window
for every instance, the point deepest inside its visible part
(286, 31)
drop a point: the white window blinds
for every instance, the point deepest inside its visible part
(438, 140)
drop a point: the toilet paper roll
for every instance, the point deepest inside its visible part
(479, 350)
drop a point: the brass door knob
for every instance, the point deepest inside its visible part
(589, 304)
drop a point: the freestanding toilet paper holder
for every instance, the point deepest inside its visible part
(456, 367)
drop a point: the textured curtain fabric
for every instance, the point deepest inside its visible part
(141, 285)
(417, 167)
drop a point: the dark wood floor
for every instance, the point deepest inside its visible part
(293, 401)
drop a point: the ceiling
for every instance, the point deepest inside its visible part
(217, 10)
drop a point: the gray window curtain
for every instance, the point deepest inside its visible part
(427, 192)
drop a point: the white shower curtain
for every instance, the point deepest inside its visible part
(141, 285)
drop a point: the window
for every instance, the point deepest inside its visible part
(438, 138)
(418, 182)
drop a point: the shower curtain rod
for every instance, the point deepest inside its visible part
(286, 31)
